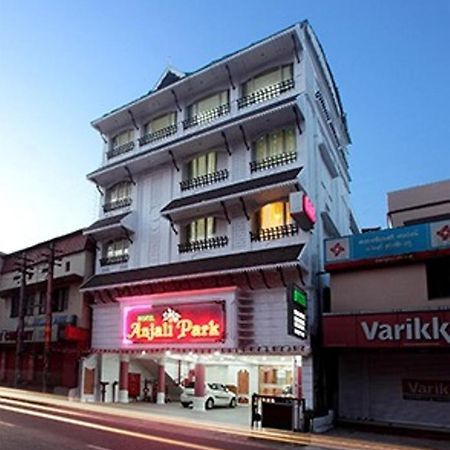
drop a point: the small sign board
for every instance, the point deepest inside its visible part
(297, 312)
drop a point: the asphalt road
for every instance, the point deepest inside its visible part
(33, 427)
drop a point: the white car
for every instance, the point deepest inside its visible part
(216, 394)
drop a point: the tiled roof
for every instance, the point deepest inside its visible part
(233, 189)
(64, 245)
(103, 223)
(230, 262)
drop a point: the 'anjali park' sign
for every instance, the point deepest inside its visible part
(202, 323)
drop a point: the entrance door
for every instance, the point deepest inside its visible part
(243, 386)
(134, 385)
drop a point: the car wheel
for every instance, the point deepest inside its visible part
(233, 403)
(209, 403)
(185, 405)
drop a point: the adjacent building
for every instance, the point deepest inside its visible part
(218, 189)
(70, 313)
(387, 337)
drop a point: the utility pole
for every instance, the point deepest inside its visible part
(51, 263)
(25, 271)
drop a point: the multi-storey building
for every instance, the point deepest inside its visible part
(209, 184)
(387, 338)
(70, 313)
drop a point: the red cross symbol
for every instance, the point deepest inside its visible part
(444, 233)
(337, 249)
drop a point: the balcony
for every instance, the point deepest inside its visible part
(273, 161)
(121, 149)
(117, 204)
(204, 180)
(204, 244)
(157, 135)
(267, 93)
(207, 116)
(109, 260)
(270, 234)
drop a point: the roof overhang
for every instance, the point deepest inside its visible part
(113, 226)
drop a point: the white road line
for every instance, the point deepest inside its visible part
(97, 447)
(6, 424)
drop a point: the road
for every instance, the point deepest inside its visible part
(34, 425)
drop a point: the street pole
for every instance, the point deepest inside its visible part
(48, 316)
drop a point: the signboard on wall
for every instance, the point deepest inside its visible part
(386, 244)
(426, 390)
(302, 210)
(297, 312)
(201, 323)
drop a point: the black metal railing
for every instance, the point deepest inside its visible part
(269, 234)
(157, 135)
(116, 151)
(204, 180)
(116, 204)
(107, 260)
(273, 161)
(266, 93)
(204, 244)
(207, 116)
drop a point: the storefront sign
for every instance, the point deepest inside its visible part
(297, 312)
(427, 390)
(415, 329)
(174, 324)
(302, 210)
(386, 245)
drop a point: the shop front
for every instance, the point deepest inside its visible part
(392, 368)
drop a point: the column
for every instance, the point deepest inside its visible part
(123, 378)
(199, 391)
(3, 365)
(161, 392)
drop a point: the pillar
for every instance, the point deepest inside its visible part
(199, 391)
(161, 392)
(3, 365)
(123, 379)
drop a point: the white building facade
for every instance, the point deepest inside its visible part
(218, 189)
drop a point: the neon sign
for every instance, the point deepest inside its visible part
(174, 324)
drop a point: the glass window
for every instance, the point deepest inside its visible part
(122, 138)
(161, 122)
(438, 278)
(203, 164)
(201, 229)
(208, 103)
(117, 248)
(267, 79)
(275, 143)
(274, 215)
(60, 300)
(119, 191)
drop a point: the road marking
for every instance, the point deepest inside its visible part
(6, 424)
(97, 447)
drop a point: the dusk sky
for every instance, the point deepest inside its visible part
(64, 63)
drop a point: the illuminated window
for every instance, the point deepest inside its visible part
(266, 79)
(160, 123)
(275, 143)
(203, 165)
(201, 229)
(122, 138)
(273, 215)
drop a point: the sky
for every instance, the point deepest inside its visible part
(65, 63)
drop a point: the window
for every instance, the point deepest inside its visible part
(266, 79)
(122, 138)
(115, 252)
(60, 300)
(118, 195)
(274, 215)
(161, 123)
(275, 143)
(202, 165)
(208, 104)
(438, 278)
(201, 229)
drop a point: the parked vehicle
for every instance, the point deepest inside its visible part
(216, 394)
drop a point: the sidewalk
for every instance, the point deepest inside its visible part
(341, 438)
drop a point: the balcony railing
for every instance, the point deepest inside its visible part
(207, 116)
(266, 93)
(157, 135)
(273, 161)
(205, 244)
(116, 204)
(269, 234)
(204, 180)
(116, 151)
(108, 260)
